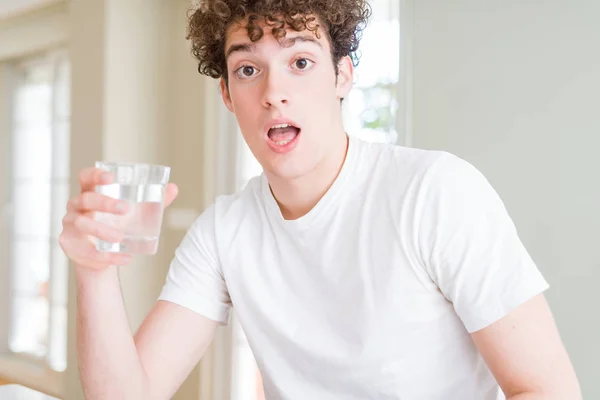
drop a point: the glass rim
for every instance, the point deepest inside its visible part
(100, 164)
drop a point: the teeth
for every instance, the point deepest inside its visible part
(282, 126)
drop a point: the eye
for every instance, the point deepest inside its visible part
(245, 71)
(303, 64)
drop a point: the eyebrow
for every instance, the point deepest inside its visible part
(287, 42)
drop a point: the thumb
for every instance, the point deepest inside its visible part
(170, 193)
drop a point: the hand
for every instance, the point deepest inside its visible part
(80, 227)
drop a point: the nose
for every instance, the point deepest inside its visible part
(275, 93)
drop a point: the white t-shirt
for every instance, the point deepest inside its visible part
(373, 293)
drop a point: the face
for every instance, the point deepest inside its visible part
(286, 98)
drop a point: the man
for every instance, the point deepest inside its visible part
(358, 271)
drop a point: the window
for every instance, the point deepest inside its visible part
(370, 112)
(371, 109)
(39, 186)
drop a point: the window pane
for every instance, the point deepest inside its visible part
(33, 102)
(32, 208)
(29, 325)
(370, 110)
(57, 351)
(31, 270)
(32, 150)
(32, 118)
(40, 177)
(380, 52)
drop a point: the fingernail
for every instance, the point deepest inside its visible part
(106, 176)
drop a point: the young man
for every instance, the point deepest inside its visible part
(358, 271)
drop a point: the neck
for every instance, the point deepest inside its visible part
(297, 196)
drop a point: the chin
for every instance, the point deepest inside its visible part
(291, 168)
(293, 161)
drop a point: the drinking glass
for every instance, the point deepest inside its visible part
(143, 187)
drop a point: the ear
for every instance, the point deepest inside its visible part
(226, 95)
(345, 77)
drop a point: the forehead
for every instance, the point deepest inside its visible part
(238, 33)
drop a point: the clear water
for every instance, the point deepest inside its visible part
(141, 225)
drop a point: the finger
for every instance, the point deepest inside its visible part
(92, 201)
(171, 193)
(84, 225)
(91, 177)
(82, 251)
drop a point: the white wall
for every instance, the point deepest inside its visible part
(514, 87)
(11, 8)
(36, 30)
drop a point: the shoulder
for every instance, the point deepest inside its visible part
(396, 165)
(435, 167)
(454, 176)
(420, 178)
(391, 157)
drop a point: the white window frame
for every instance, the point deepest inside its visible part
(23, 368)
(33, 30)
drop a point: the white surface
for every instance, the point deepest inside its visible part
(18, 392)
(514, 87)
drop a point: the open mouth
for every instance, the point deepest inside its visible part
(283, 134)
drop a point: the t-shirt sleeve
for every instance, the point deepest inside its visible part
(195, 280)
(470, 245)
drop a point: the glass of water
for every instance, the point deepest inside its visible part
(143, 186)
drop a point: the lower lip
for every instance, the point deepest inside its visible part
(283, 148)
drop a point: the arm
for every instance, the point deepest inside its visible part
(115, 365)
(526, 356)
(474, 254)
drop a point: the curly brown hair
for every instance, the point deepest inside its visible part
(343, 20)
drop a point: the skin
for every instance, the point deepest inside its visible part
(525, 353)
(310, 96)
(523, 350)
